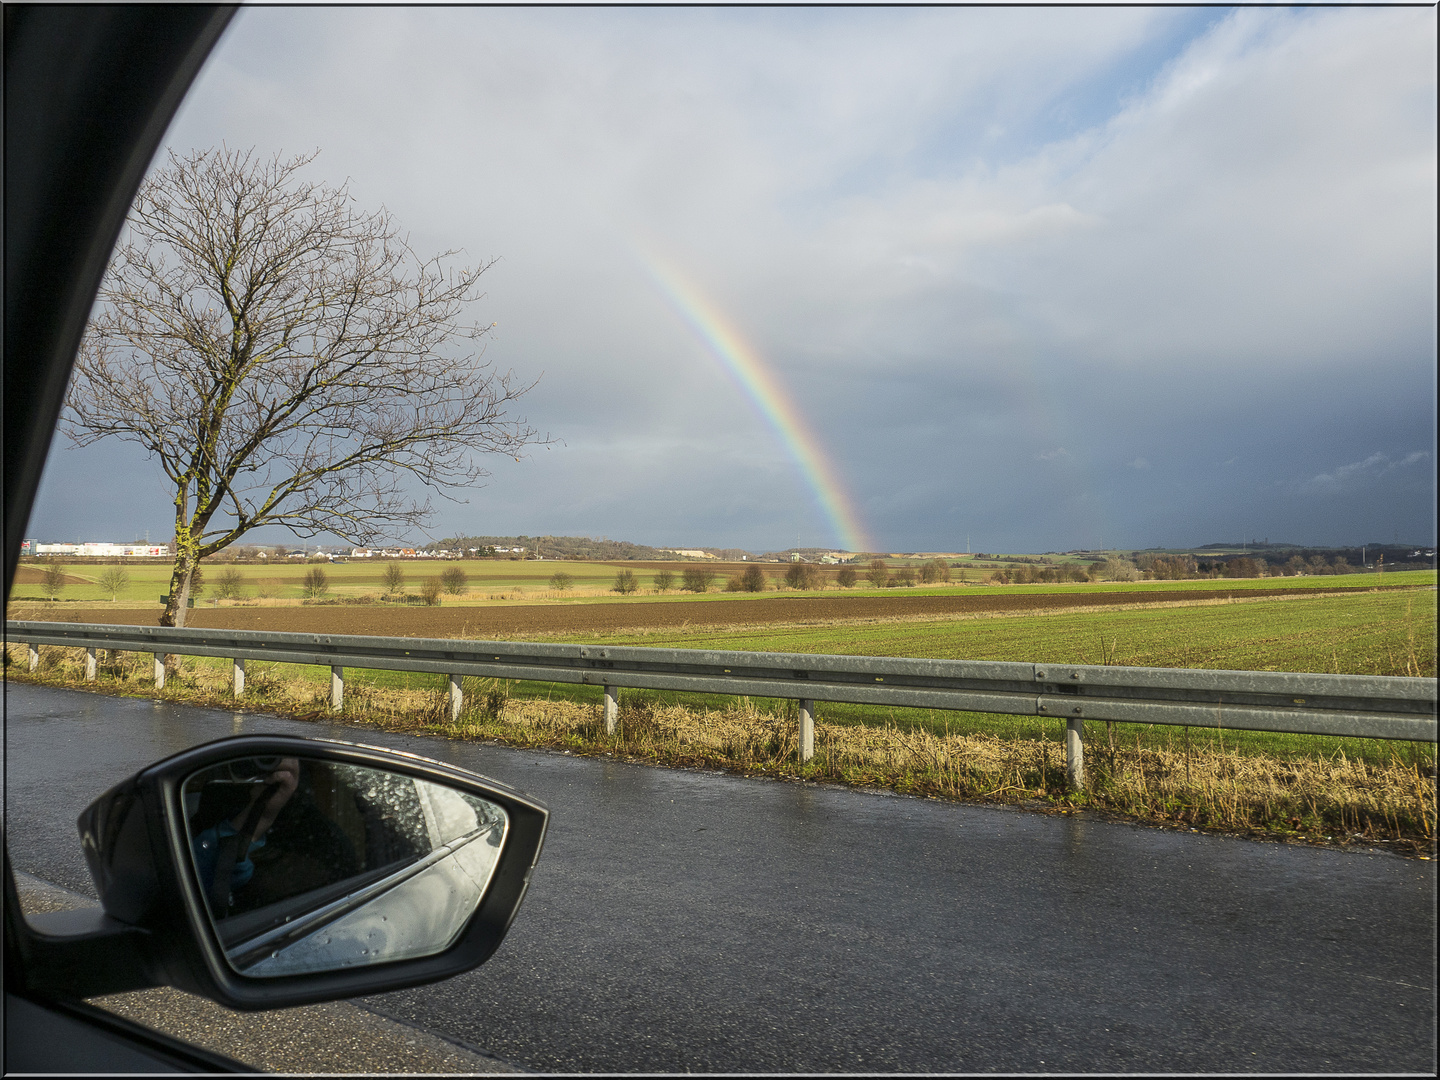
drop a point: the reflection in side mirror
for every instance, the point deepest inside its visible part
(311, 865)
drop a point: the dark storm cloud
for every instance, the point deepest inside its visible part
(1046, 278)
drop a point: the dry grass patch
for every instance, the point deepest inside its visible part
(1313, 798)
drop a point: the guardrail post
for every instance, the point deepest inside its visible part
(807, 730)
(238, 677)
(91, 669)
(1075, 753)
(457, 698)
(612, 708)
(34, 656)
(159, 671)
(337, 688)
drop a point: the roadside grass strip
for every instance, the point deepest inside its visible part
(1316, 790)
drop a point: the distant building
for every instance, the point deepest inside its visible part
(93, 550)
(693, 553)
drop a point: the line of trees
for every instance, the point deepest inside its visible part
(1030, 575)
(575, 548)
(1153, 566)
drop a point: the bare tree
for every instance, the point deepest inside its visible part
(803, 576)
(230, 584)
(52, 580)
(560, 581)
(287, 359)
(1116, 568)
(114, 580)
(936, 570)
(394, 579)
(664, 581)
(454, 580)
(696, 579)
(625, 583)
(315, 583)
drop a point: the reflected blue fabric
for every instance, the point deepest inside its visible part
(207, 850)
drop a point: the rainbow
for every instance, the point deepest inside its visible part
(758, 383)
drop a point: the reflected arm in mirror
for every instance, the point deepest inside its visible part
(222, 851)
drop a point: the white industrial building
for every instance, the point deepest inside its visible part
(95, 550)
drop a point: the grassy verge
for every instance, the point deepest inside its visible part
(1283, 787)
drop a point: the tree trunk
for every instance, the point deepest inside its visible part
(174, 613)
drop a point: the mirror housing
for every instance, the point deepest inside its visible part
(156, 929)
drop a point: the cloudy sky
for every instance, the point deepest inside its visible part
(900, 279)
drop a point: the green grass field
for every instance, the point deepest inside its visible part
(283, 580)
(504, 581)
(1386, 633)
(1389, 633)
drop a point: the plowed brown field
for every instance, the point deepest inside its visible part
(522, 620)
(33, 575)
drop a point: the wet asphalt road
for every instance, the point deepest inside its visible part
(689, 921)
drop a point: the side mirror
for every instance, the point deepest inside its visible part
(267, 871)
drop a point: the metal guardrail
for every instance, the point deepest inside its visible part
(1359, 706)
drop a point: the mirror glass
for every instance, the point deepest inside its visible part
(311, 865)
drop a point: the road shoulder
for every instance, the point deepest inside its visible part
(333, 1037)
